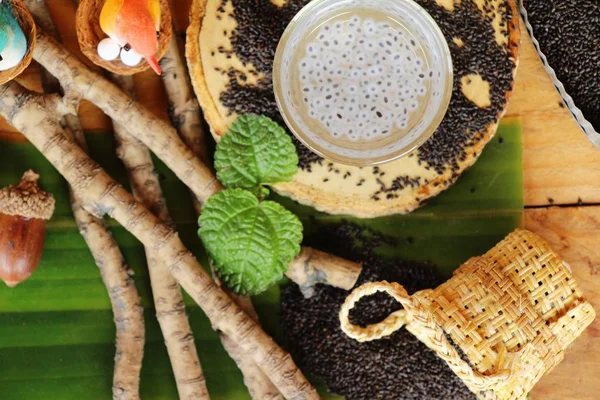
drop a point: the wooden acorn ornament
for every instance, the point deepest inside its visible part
(24, 208)
(17, 39)
(118, 35)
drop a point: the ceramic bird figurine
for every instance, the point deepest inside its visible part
(13, 44)
(134, 25)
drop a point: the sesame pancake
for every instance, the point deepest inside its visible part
(231, 47)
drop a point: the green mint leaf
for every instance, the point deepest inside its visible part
(251, 243)
(255, 151)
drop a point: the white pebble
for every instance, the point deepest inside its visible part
(130, 58)
(108, 49)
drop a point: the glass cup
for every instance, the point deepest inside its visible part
(360, 111)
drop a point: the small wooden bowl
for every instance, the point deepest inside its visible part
(28, 26)
(90, 34)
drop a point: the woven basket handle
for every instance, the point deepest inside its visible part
(426, 330)
(391, 324)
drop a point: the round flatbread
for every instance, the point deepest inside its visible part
(230, 49)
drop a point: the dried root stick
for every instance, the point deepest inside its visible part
(258, 383)
(185, 114)
(124, 298)
(184, 109)
(159, 136)
(100, 194)
(308, 269)
(41, 15)
(128, 313)
(168, 299)
(313, 266)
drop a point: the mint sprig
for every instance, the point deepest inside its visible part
(251, 242)
(256, 151)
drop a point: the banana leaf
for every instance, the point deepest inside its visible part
(56, 329)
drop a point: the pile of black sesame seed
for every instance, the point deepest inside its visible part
(568, 32)
(261, 24)
(396, 367)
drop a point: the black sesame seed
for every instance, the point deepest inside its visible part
(568, 34)
(396, 367)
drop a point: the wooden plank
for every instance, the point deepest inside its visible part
(573, 233)
(560, 165)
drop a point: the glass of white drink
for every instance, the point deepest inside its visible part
(363, 82)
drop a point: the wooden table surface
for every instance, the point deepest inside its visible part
(561, 175)
(562, 197)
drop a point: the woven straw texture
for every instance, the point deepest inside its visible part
(90, 34)
(28, 26)
(512, 312)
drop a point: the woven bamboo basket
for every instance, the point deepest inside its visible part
(89, 34)
(28, 26)
(512, 312)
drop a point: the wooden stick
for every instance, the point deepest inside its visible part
(100, 194)
(128, 313)
(168, 299)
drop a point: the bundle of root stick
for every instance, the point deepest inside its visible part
(49, 120)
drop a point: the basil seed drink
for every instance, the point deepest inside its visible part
(362, 82)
